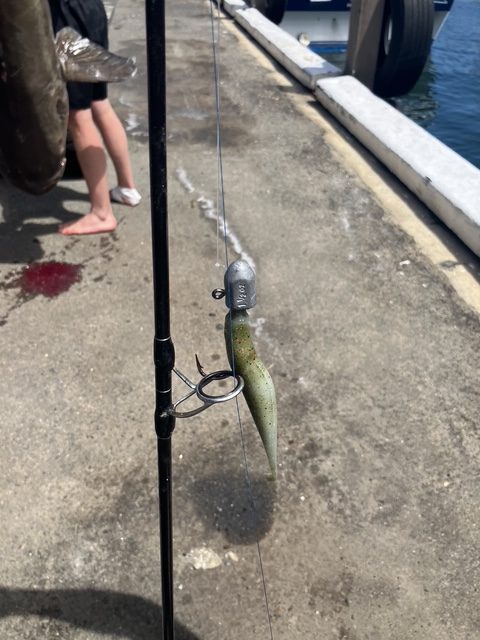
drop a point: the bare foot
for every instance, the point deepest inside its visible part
(90, 223)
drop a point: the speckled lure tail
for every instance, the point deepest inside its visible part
(259, 390)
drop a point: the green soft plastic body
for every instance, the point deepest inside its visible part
(258, 390)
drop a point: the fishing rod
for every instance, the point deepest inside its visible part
(239, 292)
(163, 349)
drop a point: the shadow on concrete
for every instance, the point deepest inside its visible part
(243, 512)
(22, 223)
(104, 612)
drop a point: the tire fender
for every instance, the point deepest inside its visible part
(404, 47)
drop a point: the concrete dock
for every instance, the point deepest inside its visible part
(367, 318)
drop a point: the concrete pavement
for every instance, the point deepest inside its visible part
(371, 531)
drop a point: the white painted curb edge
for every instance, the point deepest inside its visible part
(302, 63)
(447, 183)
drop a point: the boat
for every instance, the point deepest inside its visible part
(323, 24)
(408, 30)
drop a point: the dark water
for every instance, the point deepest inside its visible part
(446, 100)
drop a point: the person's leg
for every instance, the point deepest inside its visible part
(115, 139)
(92, 160)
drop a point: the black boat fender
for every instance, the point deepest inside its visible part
(404, 47)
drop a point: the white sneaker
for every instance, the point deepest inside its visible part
(130, 197)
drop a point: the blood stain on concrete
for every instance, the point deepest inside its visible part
(48, 279)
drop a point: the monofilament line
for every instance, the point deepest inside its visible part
(220, 204)
(255, 512)
(221, 212)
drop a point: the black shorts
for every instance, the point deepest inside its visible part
(89, 19)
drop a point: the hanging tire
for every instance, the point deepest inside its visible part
(271, 9)
(404, 47)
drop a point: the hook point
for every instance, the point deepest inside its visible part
(200, 369)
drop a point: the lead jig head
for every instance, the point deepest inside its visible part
(239, 281)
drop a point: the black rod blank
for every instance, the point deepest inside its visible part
(156, 72)
(164, 356)
(166, 550)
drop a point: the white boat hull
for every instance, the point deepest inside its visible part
(330, 28)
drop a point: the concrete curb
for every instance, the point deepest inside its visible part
(306, 66)
(447, 183)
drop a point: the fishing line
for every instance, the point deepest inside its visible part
(220, 204)
(254, 510)
(221, 219)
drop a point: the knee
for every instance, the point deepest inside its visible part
(79, 119)
(101, 110)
